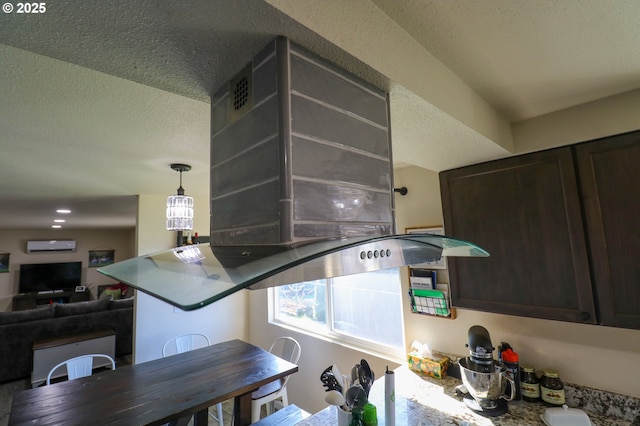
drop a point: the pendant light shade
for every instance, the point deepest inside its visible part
(180, 207)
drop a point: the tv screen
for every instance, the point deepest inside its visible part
(36, 277)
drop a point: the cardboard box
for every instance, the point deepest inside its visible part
(433, 367)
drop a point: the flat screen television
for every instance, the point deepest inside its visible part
(35, 277)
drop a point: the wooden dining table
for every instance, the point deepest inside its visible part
(167, 390)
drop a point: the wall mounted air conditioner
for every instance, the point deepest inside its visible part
(48, 246)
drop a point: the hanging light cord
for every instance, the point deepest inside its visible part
(180, 189)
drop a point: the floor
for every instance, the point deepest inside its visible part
(6, 396)
(8, 389)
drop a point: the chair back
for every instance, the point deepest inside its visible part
(288, 349)
(185, 343)
(80, 366)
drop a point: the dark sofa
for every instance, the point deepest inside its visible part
(20, 329)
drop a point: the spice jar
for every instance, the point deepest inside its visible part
(551, 388)
(529, 384)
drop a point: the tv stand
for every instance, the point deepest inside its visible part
(25, 301)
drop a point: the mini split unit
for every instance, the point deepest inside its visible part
(48, 246)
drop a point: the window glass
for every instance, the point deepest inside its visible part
(369, 307)
(364, 310)
(302, 304)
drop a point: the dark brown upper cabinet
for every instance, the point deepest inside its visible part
(563, 230)
(525, 211)
(609, 171)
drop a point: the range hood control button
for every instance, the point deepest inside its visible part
(364, 255)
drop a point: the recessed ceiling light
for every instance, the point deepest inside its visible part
(63, 211)
(59, 220)
(56, 226)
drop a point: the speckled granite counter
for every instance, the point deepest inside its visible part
(426, 401)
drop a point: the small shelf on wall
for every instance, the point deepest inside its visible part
(427, 297)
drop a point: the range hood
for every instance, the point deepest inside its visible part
(301, 187)
(191, 277)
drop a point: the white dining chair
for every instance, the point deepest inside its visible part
(188, 342)
(288, 349)
(80, 366)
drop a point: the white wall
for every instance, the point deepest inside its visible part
(15, 241)
(593, 120)
(155, 321)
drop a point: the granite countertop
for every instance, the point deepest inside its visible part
(422, 400)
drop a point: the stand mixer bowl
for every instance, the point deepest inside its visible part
(486, 387)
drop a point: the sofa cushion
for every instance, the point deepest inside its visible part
(24, 316)
(121, 303)
(78, 308)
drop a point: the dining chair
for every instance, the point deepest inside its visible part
(189, 342)
(288, 349)
(80, 366)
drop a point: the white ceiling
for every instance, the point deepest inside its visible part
(98, 98)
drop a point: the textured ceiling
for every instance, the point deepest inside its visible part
(529, 58)
(98, 98)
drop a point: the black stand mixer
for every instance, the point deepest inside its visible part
(484, 378)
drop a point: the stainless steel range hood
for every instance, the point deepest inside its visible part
(301, 187)
(191, 277)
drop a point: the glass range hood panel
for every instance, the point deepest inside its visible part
(191, 277)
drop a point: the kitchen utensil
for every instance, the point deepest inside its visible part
(364, 364)
(334, 397)
(329, 380)
(356, 397)
(354, 373)
(484, 378)
(486, 388)
(364, 376)
(347, 381)
(338, 376)
(565, 416)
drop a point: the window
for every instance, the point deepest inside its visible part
(362, 310)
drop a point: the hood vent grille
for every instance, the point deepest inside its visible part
(241, 94)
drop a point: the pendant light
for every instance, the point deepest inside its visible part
(180, 207)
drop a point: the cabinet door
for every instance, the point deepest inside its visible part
(610, 178)
(525, 211)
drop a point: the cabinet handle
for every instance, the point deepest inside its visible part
(584, 316)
